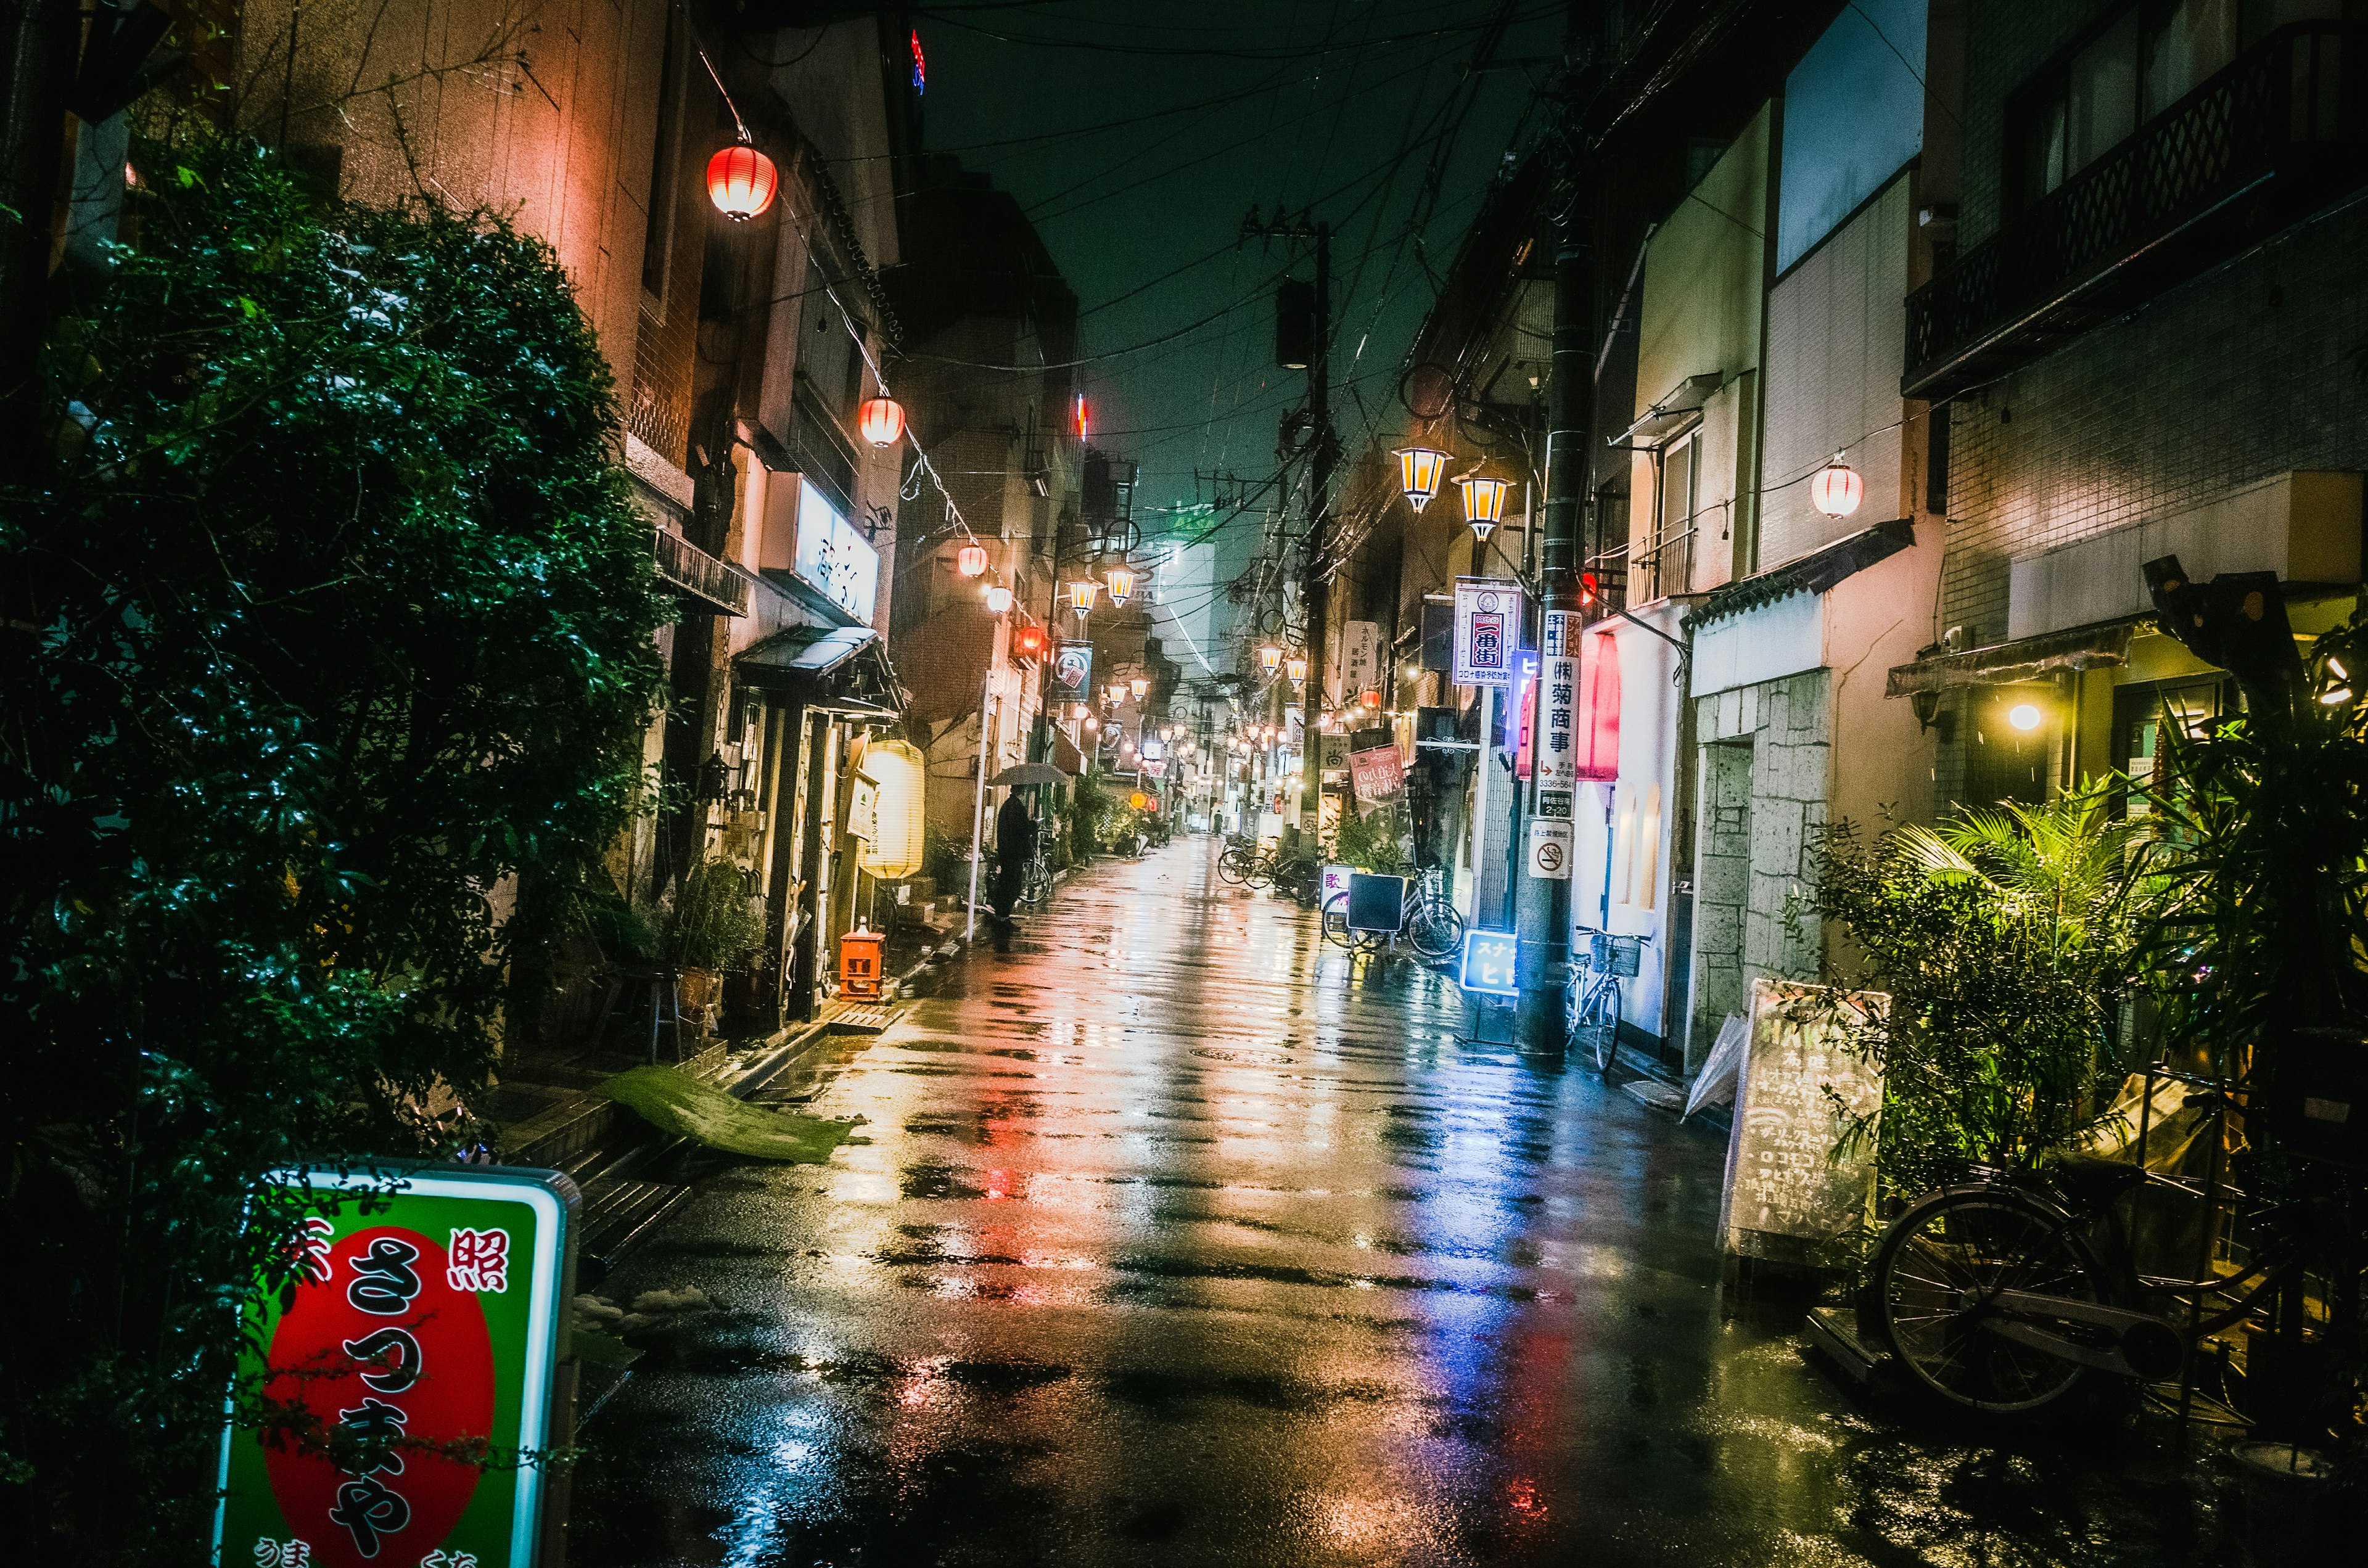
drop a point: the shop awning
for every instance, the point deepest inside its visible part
(1819, 571)
(842, 668)
(1673, 416)
(2027, 658)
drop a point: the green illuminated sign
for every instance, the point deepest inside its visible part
(412, 1361)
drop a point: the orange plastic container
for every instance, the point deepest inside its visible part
(859, 964)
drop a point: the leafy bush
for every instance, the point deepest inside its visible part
(344, 617)
(2006, 940)
(714, 923)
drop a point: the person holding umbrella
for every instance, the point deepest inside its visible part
(1015, 841)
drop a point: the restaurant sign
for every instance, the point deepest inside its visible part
(415, 1349)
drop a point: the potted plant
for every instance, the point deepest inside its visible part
(713, 924)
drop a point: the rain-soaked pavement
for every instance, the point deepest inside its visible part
(1177, 1239)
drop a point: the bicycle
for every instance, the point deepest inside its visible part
(1036, 878)
(1237, 862)
(2001, 1294)
(1426, 918)
(1591, 1006)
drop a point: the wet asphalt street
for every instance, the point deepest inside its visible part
(1175, 1238)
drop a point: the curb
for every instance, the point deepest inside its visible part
(619, 1208)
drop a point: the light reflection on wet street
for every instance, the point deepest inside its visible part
(1175, 1238)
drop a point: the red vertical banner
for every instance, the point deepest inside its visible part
(1599, 713)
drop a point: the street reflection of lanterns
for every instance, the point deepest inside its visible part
(741, 182)
(1837, 489)
(1419, 471)
(1270, 658)
(1297, 669)
(1484, 502)
(881, 423)
(998, 599)
(971, 560)
(1122, 585)
(1082, 594)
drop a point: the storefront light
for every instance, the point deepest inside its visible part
(2024, 716)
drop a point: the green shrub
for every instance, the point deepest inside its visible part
(713, 923)
(345, 619)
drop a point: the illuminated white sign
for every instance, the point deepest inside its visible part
(833, 557)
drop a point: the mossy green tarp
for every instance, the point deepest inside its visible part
(674, 1100)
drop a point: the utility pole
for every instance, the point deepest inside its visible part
(1303, 340)
(1541, 886)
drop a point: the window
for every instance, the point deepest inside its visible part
(666, 153)
(2136, 64)
(2143, 714)
(1673, 545)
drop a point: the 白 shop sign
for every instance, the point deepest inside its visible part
(419, 1338)
(1488, 630)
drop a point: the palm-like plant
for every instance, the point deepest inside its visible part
(2006, 938)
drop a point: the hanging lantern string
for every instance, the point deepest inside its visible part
(714, 77)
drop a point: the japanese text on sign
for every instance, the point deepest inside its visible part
(1557, 766)
(1788, 1199)
(1488, 630)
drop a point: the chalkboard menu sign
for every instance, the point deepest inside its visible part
(1787, 1198)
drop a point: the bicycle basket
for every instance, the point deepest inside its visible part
(1617, 955)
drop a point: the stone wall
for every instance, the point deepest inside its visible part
(1787, 725)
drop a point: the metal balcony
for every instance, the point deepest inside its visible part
(2273, 138)
(692, 572)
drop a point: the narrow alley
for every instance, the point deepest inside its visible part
(1175, 1238)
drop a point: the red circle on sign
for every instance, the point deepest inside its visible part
(452, 1398)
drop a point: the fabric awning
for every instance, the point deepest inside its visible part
(2028, 658)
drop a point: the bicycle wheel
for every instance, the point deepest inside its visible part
(1261, 872)
(1605, 1023)
(1936, 1272)
(1436, 929)
(1336, 922)
(1235, 864)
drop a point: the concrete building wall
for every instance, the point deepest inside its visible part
(1836, 335)
(1703, 295)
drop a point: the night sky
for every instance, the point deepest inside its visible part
(1137, 135)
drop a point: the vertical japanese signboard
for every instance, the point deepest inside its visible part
(1788, 1201)
(422, 1326)
(1557, 762)
(1360, 659)
(1488, 630)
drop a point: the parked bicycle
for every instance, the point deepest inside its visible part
(2002, 1294)
(1592, 1004)
(1426, 918)
(1036, 881)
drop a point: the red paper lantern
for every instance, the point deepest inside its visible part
(971, 559)
(1029, 641)
(741, 181)
(883, 422)
(1837, 490)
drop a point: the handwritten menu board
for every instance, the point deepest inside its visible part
(1787, 1198)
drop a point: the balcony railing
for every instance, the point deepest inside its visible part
(692, 570)
(2265, 141)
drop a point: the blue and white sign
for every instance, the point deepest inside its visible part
(833, 557)
(1488, 966)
